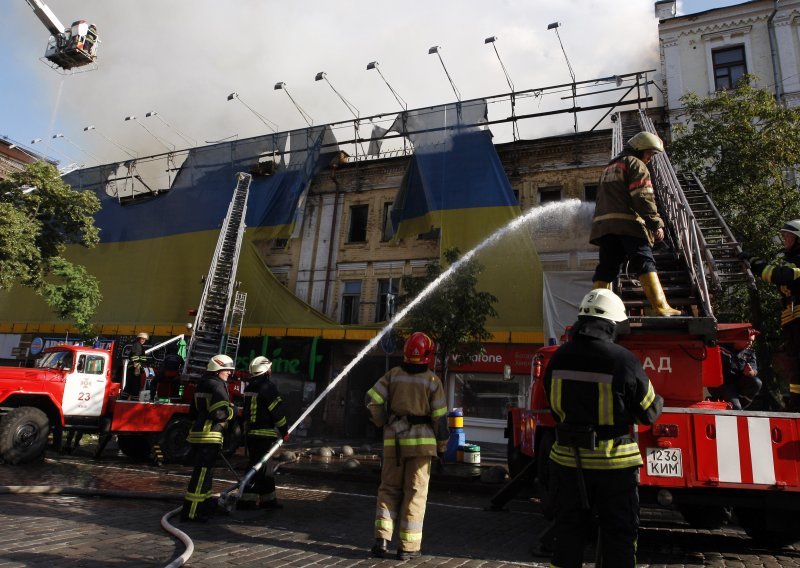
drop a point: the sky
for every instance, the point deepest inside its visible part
(182, 58)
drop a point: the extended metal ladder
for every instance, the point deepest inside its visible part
(702, 255)
(235, 327)
(209, 325)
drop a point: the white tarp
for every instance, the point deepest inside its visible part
(563, 292)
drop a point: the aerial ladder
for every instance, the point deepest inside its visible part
(700, 255)
(68, 48)
(209, 328)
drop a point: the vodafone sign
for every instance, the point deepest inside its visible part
(495, 357)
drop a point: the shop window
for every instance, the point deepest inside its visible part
(590, 192)
(387, 293)
(484, 395)
(549, 194)
(388, 230)
(351, 298)
(357, 232)
(729, 66)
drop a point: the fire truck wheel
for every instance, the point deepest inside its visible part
(767, 527)
(173, 440)
(23, 435)
(708, 517)
(135, 447)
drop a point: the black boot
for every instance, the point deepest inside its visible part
(378, 549)
(408, 554)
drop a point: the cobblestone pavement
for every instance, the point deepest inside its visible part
(327, 521)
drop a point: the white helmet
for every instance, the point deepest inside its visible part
(259, 366)
(143, 335)
(603, 303)
(646, 141)
(792, 227)
(220, 362)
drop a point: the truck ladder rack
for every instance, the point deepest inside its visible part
(208, 331)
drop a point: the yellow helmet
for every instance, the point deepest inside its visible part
(220, 362)
(646, 141)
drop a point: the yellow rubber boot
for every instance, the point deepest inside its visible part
(655, 295)
(601, 284)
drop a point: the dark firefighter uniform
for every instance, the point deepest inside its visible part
(136, 362)
(211, 410)
(785, 274)
(592, 381)
(412, 408)
(265, 422)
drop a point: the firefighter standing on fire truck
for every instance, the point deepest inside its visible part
(409, 403)
(264, 421)
(626, 222)
(785, 274)
(597, 390)
(211, 410)
(136, 362)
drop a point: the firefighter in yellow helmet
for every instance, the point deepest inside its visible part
(626, 222)
(785, 274)
(264, 422)
(211, 410)
(136, 362)
(409, 403)
(597, 391)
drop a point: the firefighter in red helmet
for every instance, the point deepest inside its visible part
(409, 403)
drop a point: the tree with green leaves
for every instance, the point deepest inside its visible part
(746, 149)
(39, 216)
(454, 314)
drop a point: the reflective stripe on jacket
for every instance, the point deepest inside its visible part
(211, 410)
(263, 409)
(400, 395)
(785, 274)
(625, 203)
(592, 381)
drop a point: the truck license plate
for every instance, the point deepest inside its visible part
(664, 462)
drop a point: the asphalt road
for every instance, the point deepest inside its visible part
(327, 521)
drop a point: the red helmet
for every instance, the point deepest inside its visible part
(419, 349)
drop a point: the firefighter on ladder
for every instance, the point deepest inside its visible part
(409, 403)
(785, 274)
(211, 410)
(597, 390)
(626, 222)
(264, 422)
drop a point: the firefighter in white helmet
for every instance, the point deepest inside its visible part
(785, 274)
(264, 423)
(211, 410)
(409, 403)
(626, 222)
(597, 391)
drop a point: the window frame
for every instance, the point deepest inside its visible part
(352, 230)
(350, 306)
(742, 62)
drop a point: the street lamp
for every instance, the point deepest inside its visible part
(555, 26)
(120, 146)
(350, 106)
(281, 86)
(514, 128)
(62, 152)
(435, 49)
(267, 122)
(190, 141)
(61, 135)
(398, 98)
(170, 147)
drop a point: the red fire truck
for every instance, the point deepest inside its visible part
(72, 387)
(701, 457)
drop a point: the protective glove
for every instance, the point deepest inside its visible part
(757, 266)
